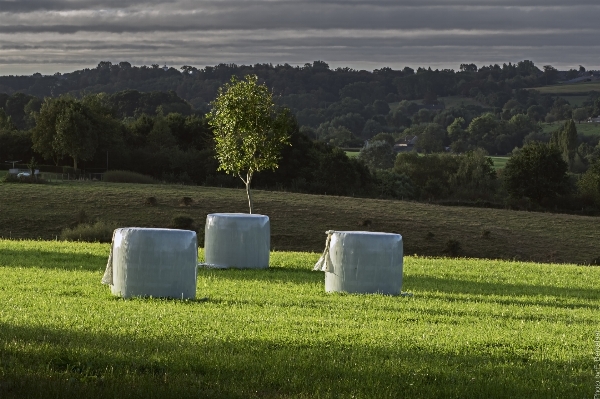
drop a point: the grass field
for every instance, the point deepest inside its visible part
(583, 128)
(299, 221)
(574, 89)
(576, 101)
(472, 329)
(352, 154)
(499, 162)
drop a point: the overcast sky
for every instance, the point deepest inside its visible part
(51, 36)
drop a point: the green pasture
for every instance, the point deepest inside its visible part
(574, 89)
(499, 162)
(576, 101)
(352, 154)
(471, 329)
(583, 128)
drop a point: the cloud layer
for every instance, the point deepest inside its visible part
(59, 35)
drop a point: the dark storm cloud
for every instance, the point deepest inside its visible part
(348, 33)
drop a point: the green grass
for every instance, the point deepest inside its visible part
(473, 329)
(583, 128)
(299, 221)
(352, 154)
(499, 162)
(574, 89)
(576, 101)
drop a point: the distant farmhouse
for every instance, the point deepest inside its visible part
(405, 145)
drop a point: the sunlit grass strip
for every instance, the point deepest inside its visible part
(499, 162)
(472, 329)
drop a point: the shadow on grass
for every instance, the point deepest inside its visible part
(272, 274)
(420, 283)
(51, 260)
(458, 286)
(46, 362)
(454, 316)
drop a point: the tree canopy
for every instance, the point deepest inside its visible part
(249, 130)
(69, 127)
(537, 171)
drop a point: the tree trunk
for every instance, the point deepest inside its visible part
(247, 182)
(248, 192)
(75, 163)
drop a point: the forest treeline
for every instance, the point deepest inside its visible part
(151, 120)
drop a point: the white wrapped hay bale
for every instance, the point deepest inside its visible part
(362, 262)
(153, 262)
(237, 240)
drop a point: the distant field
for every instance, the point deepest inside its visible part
(457, 101)
(499, 162)
(575, 101)
(471, 329)
(583, 128)
(570, 88)
(299, 221)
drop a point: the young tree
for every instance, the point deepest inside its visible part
(565, 140)
(249, 130)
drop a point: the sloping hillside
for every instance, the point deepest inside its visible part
(299, 221)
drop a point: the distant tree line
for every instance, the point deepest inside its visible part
(113, 117)
(343, 107)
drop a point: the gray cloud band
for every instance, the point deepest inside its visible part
(357, 33)
(294, 16)
(65, 5)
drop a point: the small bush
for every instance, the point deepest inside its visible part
(429, 235)
(452, 248)
(182, 222)
(97, 232)
(186, 201)
(125, 176)
(485, 234)
(150, 201)
(366, 223)
(594, 262)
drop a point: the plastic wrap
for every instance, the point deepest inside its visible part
(362, 262)
(237, 240)
(153, 262)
